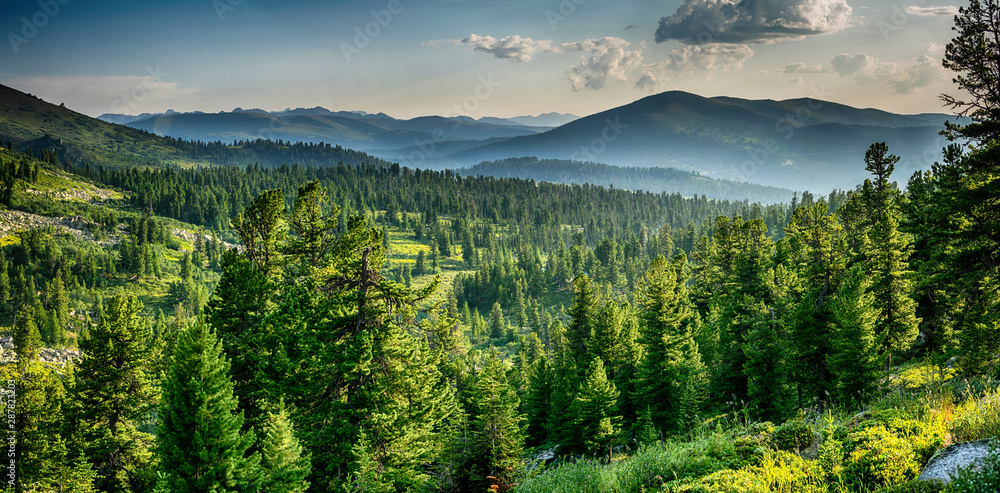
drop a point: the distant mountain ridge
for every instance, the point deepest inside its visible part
(797, 143)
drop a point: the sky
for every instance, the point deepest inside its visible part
(500, 58)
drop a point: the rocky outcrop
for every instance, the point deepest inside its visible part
(49, 356)
(14, 221)
(947, 461)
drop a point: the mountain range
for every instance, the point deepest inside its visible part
(795, 143)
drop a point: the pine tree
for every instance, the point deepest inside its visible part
(818, 252)
(58, 299)
(495, 458)
(581, 313)
(112, 392)
(199, 441)
(896, 324)
(854, 360)
(236, 310)
(671, 376)
(497, 326)
(593, 412)
(420, 268)
(538, 401)
(27, 340)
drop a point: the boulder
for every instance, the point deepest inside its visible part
(947, 461)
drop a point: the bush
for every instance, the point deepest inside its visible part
(779, 472)
(916, 486)
(793, 435)
(876, 458)
(976, 419)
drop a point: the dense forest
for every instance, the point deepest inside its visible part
(369, 327)
(630, 178)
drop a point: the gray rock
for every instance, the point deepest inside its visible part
(947, 461)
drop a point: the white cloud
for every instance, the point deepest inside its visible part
(609, 58)
(703, 58)
(905, 77)
(752, 21)
(934, 10)
(510, 47)
(802, 68)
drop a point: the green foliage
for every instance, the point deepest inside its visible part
(494, 459)
(793, 435)
(283, 460)
(199, 440)
(854, 359)
(916, 486)
(112, 392)
(877, 457)
(977, 417)
(671, 376)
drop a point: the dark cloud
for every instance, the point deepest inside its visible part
(752, 21)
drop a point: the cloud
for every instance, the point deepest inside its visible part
(609, 58)
(511, 47)
(752, 21)
(686, 61)
(802, 68)
(905, 77)
(934, 10)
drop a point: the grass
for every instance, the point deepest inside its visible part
(922, 409)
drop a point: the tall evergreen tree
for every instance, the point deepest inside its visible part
(27, 340)
(581, 313)
(818, 251)
(854, 361)
(672, 377)
(593, 412)
(112, 392)
(495, 458)
(199, 442)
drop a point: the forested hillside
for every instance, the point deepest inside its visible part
(647, 179)
(371, 327)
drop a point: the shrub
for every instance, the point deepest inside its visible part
(976, 419)
(793, 435)
(876, 458)
(916, 486)
(779, 472)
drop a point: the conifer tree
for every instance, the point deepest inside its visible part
(286, 465)
(58, 300)
(27, 340)
(199, 441)
(671, 376)
(818, 252)
(854, 360)
(593, 412)
(495, 458)
(581, 313)
(498, 327)
(538, 401)
(236, 309)
(112, 392)
(896, 323)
